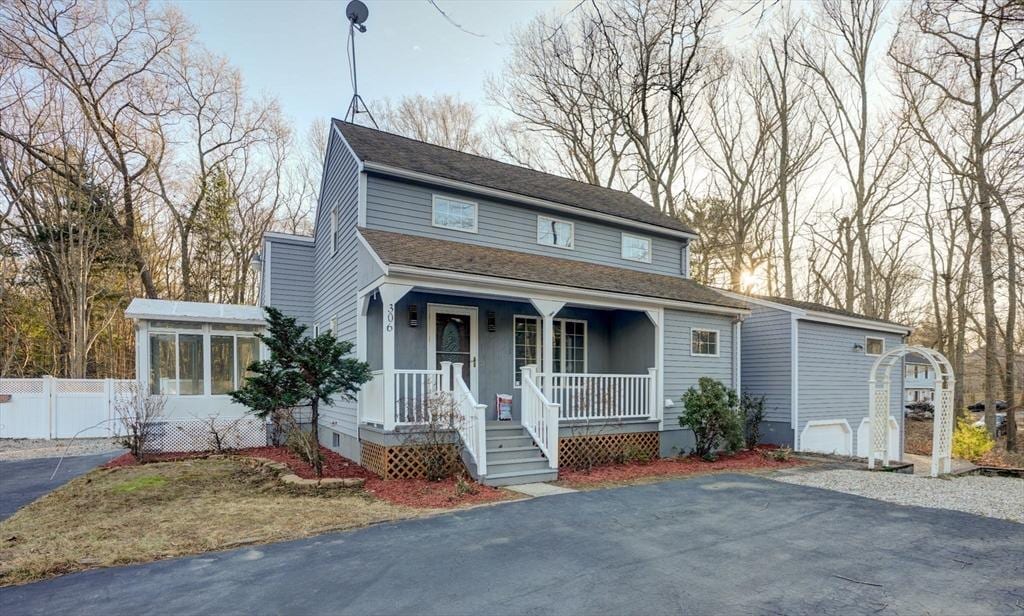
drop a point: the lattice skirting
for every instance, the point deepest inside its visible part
(574, 451)
(196, 435)
(404, 461)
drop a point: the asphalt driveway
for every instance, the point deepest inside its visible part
(724, 544)
(23, 481)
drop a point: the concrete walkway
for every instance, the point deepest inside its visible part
(718, 544)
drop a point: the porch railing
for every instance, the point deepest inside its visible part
(471, 418)
(414, 392)
(603, 396)
(540, 417)
(372, 395)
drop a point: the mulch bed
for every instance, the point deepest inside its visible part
(432, 494)
(615, 473)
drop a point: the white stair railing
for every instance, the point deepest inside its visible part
(472, 420)
(540, 416)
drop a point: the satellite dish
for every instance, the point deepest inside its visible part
(356, 12)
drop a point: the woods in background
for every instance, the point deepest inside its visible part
(858, 153)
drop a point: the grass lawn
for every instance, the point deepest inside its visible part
(154, 511)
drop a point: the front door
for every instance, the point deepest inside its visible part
(452, 336)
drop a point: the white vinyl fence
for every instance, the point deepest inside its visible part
(60, 408)
(87, 408)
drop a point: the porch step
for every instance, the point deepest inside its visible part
(500, 427)
(520, 477)
(516, 465)
(505, 442)
(513, 453)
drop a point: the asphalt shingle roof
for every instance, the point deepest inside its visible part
(795, 303)
(430, 253)
(412, 155)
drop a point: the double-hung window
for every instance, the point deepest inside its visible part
(555, 232)
(704, 342)
(569, 351)
(454, 214)
(636, 248)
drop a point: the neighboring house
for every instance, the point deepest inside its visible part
(812, 364)
(423, 255)
(918, 379)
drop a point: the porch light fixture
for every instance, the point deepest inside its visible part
(414, 316)
(492, 323)
(858, 346)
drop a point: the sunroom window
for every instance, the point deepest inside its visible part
(177, 359)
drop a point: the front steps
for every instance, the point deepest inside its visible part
(512, 456)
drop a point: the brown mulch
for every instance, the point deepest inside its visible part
(615, 473)
(335, 465)
(918, 437)
(444, 494)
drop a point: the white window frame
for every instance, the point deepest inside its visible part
(546, 220)
(718, 342)
(540, 344)
(650, 247)
(433, 213)
(205, 330)
(866, 346)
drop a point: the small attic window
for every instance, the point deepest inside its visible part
(874, 346)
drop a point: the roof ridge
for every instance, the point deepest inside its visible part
(495, 160)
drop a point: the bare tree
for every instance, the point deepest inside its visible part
(959, 65)
(111, 62)
(443, 120)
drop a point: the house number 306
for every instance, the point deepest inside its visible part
(389, 319)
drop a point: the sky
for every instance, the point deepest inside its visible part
(295, 51)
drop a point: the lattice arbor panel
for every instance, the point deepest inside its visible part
(405, 461)
(594, 449)
(880, 423)
(942, 433)
(197, 434)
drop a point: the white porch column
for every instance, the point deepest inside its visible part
(548, 309)
(657, 318)
(389, 295)
(362, 306)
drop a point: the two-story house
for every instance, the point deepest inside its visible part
(553, 316)
(455, 271)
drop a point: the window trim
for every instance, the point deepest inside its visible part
(572, 231)
(866, 338)
(540, 344)
(334, 229)
(433, 213)
(718, 342)
(633, 236)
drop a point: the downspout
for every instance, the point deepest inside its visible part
(737, 328)
(794, 367)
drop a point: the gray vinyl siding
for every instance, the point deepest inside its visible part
(833, 381)
(369, 270)
(766, 341)
(291, 278)
(337, 271)
(682, 369)
(405, 207)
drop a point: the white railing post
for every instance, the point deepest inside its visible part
(654, 403)
(446, 375)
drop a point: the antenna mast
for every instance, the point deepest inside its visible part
(356, 12)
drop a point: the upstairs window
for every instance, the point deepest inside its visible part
(874, 346)
(454, 214)
(554, 232)
(636, 248)
(704, 342)
(334, 229)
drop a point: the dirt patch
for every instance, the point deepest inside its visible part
(160, 510)
(335, 465)
(918, 437)
(446, 494)
(666, 468)
(919, 441)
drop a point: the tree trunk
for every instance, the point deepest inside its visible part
(1010, 336)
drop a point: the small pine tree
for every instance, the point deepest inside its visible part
(711, 411)
(302, 370)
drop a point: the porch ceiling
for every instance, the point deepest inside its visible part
(444, 255)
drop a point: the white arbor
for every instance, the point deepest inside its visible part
(879, 383)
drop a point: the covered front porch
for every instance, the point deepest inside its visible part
(561, 363)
